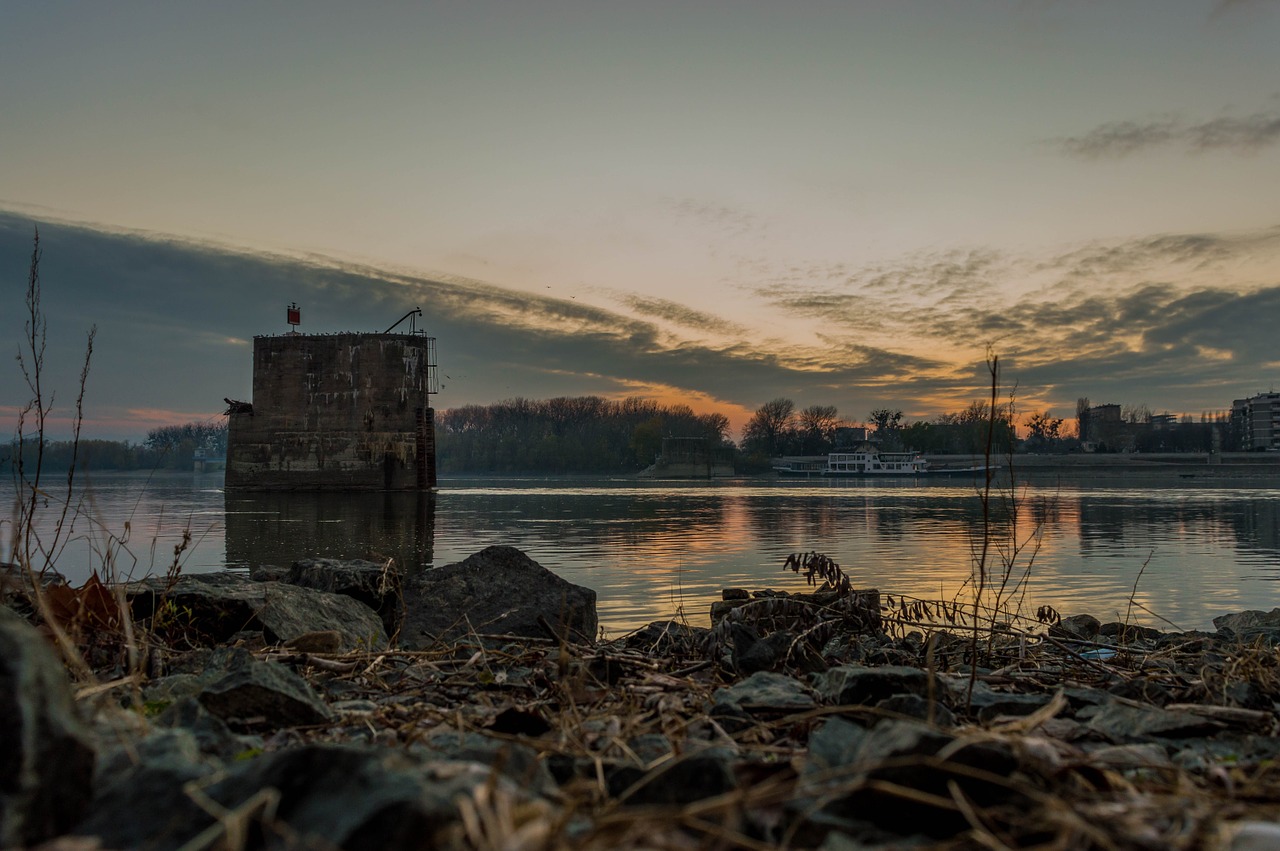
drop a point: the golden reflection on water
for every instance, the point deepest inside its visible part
(652, 549)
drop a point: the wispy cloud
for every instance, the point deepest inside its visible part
(169, 314)
(682, 315)
(1188, 252)
(886, 296)
(1119, 139)
(1248, 133)
(1244, 134)
(1180, 321)
(729, 221)
(1159, 318)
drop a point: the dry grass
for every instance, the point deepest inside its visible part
(587, 708)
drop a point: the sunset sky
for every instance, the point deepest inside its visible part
(843, 203)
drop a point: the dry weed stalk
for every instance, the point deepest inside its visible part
(92, 626)
(34, 554)
(817, 566)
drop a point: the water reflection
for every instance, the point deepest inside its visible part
(1181, 556)
(650, 548)
(1249, 524)
(280, 528)
(942, 514)
(1255, 527)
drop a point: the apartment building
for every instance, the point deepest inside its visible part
(1256, 421)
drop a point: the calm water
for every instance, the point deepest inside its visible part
(652, 548)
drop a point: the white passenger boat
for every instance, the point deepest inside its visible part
(866, 460)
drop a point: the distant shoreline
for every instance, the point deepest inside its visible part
(1186, 465)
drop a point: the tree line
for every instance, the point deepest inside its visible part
(777, 428)
(589, 434)
(585, 434)
(166, 448)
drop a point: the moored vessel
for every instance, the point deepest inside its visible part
(867, 460)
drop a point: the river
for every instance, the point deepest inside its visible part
(1164, 554)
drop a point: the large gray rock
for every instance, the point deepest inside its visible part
(844, 763)
(234, 686)
(1084, 627)
(859, 685)
(988, 704)
(499, 591)
(1250, 626)
(668, 638)
(318, 796)
(1123, 723)
(216, 606)
(1126, 633)
(212, 735)
(266, 690)
(765, 691)
(1248, 619)
(46, 755)
(919, 708)
(749, 652)
(376, 585)
(170, 747)
(147, 806)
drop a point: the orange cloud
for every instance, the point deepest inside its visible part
(698, 401)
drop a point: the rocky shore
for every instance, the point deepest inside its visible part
(340, 705)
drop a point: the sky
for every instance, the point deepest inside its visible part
(711, 203)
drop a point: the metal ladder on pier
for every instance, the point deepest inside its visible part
(426, 448)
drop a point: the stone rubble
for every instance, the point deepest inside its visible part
(500, 721)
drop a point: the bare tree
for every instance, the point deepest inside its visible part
(885, 419)
(771, 427)
(716, 424)
(1136, 414)
(819, 424)
(1043, 428)
(1082, 417)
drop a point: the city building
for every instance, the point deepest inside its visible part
(1102, 427)
(847, 436)
(1255, 421)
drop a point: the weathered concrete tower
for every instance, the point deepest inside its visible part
(336, 412)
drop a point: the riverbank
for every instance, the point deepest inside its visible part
(1191, 467)
(821, 720)
(1107, 468)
